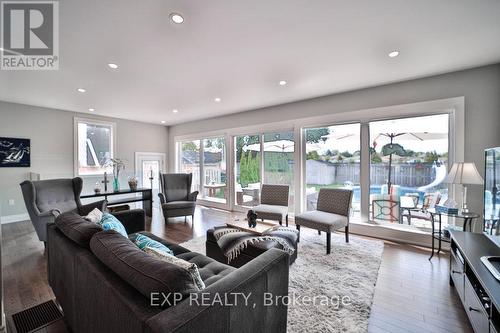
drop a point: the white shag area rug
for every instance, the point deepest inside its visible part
(342, 282)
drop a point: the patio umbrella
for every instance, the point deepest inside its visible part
(391, 148)
(279, 146)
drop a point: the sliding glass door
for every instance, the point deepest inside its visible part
(247, 170)
(262, 158)
(214, 170)
(332, 161)
(206, 160)
(189, 161)
(279, 149)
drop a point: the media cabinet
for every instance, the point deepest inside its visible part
(478, 290)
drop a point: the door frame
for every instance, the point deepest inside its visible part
(139, 154)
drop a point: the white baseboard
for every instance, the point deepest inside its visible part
(14, 218)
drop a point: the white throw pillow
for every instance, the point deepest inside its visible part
(94, 216)
(188, 266)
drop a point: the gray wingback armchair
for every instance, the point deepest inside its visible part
(332, 213)
(46, 199)
(176, 197)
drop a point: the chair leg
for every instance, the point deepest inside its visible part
(286, 219)
(298, 228)
(347, 234)
(192, 218)
(328, 242)
(319, 232)
(185, 219)
(280, 222)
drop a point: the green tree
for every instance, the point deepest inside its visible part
(346, 154)
(375, 158)
(189, 145)
(315, 135)
(431, 157)
(312, 155)
(249, 169)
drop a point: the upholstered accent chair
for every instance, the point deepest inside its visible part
(46, 199)
(176, 197)
(332, 213)
(273, 203)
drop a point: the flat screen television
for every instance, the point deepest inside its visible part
(491, 211)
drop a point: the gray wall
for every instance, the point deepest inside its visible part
(51, 134)
(480, 86)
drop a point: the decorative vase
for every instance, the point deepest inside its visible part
(132, 183)
(97, 188)
(116, 184)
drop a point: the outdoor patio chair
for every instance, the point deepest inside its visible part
(385, 207)
(430, 201)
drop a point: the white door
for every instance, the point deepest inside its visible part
(148, 167)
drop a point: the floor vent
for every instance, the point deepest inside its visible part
(37, 317)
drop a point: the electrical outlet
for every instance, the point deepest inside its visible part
(11, 202)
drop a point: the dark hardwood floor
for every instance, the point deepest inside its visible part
(412, 294)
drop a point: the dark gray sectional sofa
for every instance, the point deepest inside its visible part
(96, 298)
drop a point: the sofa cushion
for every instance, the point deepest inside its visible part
(109, 222)
(179, 204)
(321, 220)
(77, 228)
(143, 241)
(95, 216)
(177, 249)
(210, 270)
(140, 270)
(189, 266)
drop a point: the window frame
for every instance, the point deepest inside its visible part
(90, 121)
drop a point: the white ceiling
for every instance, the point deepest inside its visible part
(240, 50)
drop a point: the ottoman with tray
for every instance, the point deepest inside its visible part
(251, 251)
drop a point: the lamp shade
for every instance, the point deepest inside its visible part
(463, 173)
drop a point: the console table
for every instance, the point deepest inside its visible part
(146, 196)
(439, 235)
(478, 290)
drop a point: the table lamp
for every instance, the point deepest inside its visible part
(464, 174)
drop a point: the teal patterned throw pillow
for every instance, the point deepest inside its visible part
(109, 222)
(143, 241)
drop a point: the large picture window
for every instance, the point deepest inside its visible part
(408, 163)
(333, 161)
(94, 145)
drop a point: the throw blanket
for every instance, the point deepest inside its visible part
(232, 241)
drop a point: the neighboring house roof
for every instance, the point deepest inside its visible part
(190, 157)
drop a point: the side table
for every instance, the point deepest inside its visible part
(439, 235)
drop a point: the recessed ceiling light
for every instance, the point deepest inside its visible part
(283, 83)
(217, 99)
(91, 109)
(176, 18)
(175, 110)
(163, 121)
(112, 65)
(81, 90)
(393, 54)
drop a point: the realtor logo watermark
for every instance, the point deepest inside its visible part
(29, 35)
